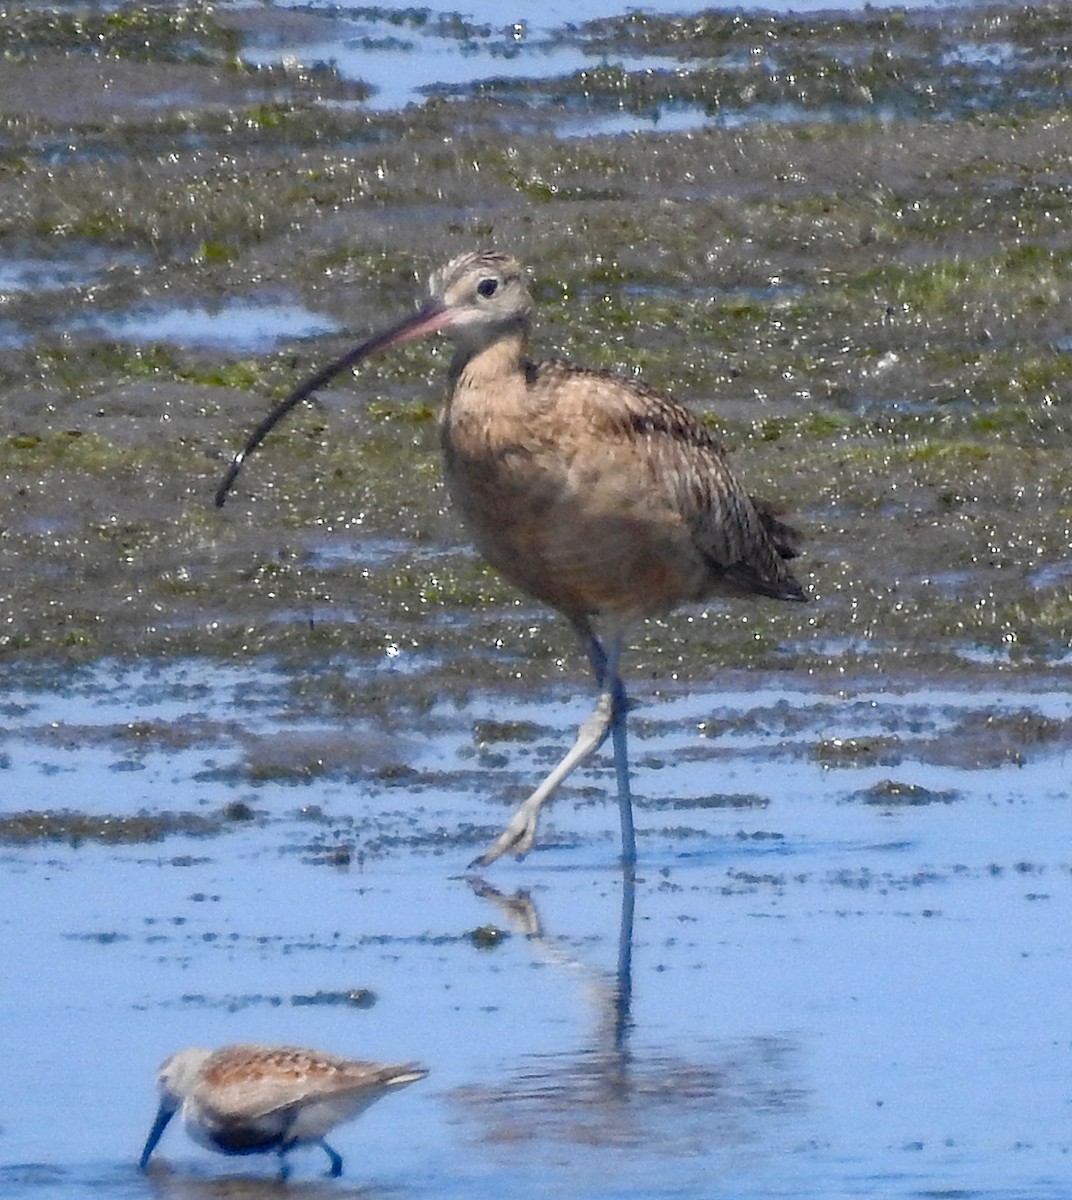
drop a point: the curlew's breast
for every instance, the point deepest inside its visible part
(580, 528)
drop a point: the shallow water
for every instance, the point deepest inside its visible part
(836, 989)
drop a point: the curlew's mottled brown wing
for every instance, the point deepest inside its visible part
(681, 464)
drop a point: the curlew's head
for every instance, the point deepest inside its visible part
(481, 295)
(475, 299)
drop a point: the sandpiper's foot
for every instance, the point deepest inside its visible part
(336, 1161)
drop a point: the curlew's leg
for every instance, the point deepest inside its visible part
(621, 769)
(607, 718)
(336, 1159)
(623, 991)
(598, 657)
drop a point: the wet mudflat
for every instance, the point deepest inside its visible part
(246, 756)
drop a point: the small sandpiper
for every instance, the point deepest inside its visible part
(249, 1099)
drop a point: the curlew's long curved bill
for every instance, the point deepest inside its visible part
(164, 1114)
(430, 319)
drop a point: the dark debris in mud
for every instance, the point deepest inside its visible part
(360, 998)
(859, 752)
(488, 937)
(77, 829)
(353, 998)
(748, 800)
(892, 793)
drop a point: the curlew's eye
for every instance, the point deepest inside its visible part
(488, 287)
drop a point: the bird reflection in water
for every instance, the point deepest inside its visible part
(611, 1092)
(167, 1183)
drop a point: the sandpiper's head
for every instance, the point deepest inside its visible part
(483, 292)
(179, 1074)
(175, 1081)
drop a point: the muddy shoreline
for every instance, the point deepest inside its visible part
(873, 312)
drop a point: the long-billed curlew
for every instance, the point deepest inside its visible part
(605, 499)
(261, 1099)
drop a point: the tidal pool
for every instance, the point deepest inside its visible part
(239, 326)
(406, 53)
(80, 266)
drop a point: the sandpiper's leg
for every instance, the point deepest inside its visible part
(284, 1166)
(336, 1159)
(609, 714)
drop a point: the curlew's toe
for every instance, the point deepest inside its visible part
(517, 839)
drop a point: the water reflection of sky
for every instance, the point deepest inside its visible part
(236, 325)
(829, 999)
(400, 58)
(50, 274)
(546, 15)
(398, 73)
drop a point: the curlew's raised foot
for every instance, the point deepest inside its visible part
(520, 834)
(517, 838)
